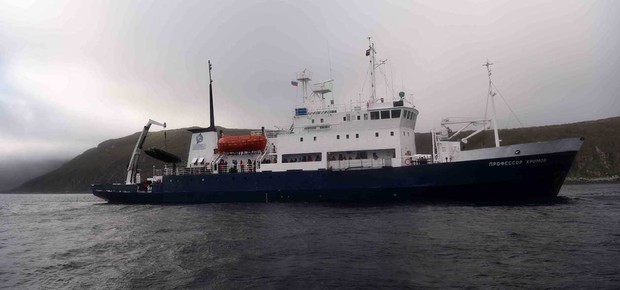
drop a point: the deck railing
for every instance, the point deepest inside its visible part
(221, 168)
(356, 164)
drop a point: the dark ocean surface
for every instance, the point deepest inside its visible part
(77, 241)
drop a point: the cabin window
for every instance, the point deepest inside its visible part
(321, 120)
(359, 117)
(365, 116)
(376, 134)
(338, 137)
(347, 136)
(301, 139)
(395, 114)
(201, 160)
(385, 114)
(312, 121)
(357, 135)
(391, 134)
(314, 138)
(301, 157)
(404, 133)
(374, 115)
(344, 118)
(348, 117)
(195, 161)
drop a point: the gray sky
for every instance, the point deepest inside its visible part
(75, 73)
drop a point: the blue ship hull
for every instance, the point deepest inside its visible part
(514, 178)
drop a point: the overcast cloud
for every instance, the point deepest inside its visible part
(75, 73)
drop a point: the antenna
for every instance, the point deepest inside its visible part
(329, 57)
(330, 61)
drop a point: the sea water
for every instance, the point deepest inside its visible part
(79, 241)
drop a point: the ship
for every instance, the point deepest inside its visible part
(364, 153)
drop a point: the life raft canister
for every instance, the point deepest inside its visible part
(242, 143)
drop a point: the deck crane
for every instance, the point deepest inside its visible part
(468, 122)
(132, 168)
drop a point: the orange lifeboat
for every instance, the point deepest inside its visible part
(242, 143)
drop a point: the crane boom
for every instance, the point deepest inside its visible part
(132, 168)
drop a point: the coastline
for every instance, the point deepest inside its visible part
(585, 180)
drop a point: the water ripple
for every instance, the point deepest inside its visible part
(76, 241)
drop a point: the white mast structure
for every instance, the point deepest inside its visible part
(316, 99)
(373, 87)
(304, 77)
(491, 95)
(373, 66)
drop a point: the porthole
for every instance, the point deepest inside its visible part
(517, 152)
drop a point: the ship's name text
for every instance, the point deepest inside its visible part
(516, 162)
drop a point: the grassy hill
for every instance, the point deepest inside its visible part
(599, 157)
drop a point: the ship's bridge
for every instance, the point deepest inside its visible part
(380, 136)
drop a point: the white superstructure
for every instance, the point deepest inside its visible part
(379, 134)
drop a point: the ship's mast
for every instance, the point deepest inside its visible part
(373, 67)
(373, 86)
(304, 76)
(212, 114)
(491, 95)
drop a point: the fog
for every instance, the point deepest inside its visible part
(75, 73)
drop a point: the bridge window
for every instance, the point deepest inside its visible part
(374, 115)
(385, 114)
(395, 114)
